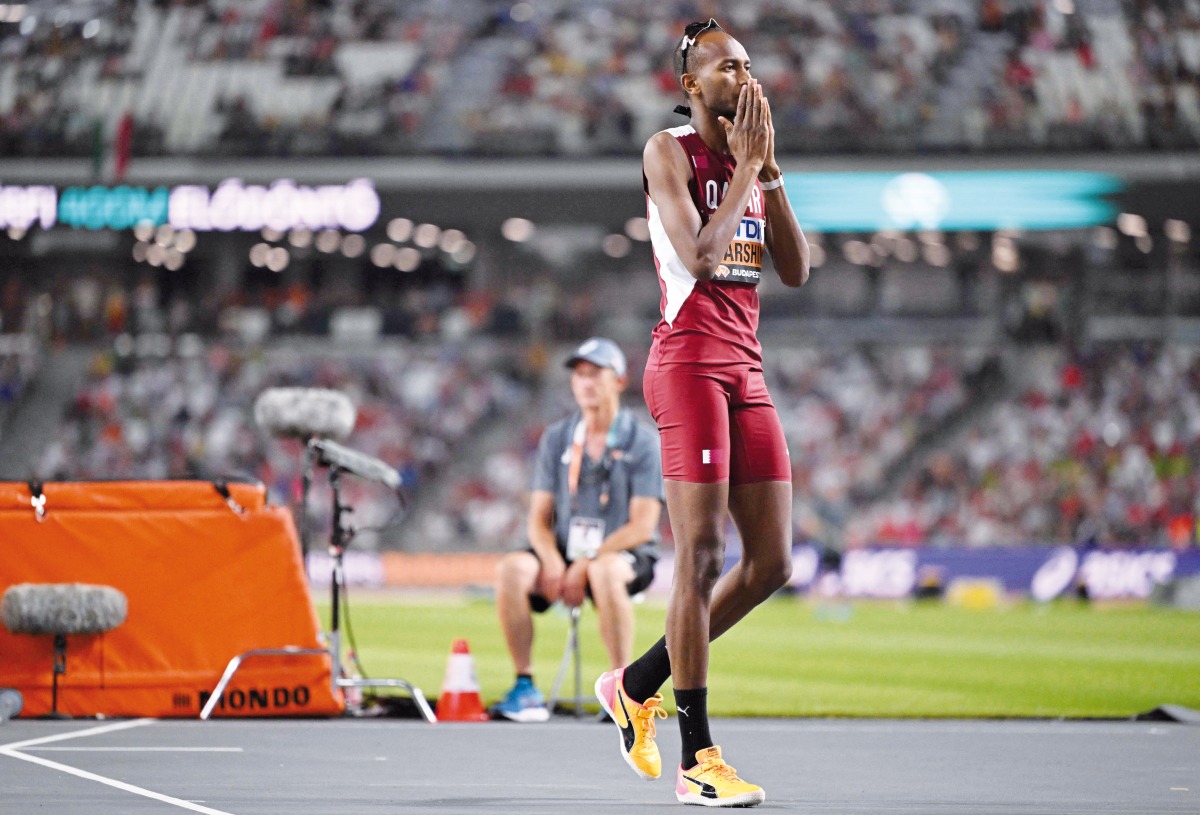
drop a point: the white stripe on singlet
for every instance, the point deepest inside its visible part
(679, 281)
(682, 130)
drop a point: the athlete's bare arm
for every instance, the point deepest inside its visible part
(785, 240)
(701, 247)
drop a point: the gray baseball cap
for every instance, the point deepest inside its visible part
(602, 352)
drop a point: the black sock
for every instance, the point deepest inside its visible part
(647, 673)
(525, 676)
(692, 708)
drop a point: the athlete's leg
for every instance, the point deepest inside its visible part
(763, 514)
(760, 501)
(609, 576)
(692, 412)
(516, 576)
(697, 513)
(611, 580)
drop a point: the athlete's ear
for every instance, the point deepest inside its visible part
(690, 84)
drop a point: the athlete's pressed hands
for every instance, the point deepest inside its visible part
(749, 134)
(790, 252)
(716, 206)
(744, 135)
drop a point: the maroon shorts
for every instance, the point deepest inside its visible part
(716, 424)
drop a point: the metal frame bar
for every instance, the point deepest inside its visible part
(413, 691)
(293, 651)
(236, 662)
(572, 652)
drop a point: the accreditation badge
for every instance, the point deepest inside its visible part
(584, 537)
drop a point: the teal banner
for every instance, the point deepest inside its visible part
(866, 202)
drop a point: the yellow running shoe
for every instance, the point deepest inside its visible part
(713, 783)
(635, 721)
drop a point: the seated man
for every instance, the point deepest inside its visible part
(594, 508)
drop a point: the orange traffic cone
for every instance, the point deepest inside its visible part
(460, 700)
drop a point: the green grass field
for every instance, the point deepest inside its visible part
(801, 658)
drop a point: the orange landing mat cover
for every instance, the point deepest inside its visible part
(203, 583)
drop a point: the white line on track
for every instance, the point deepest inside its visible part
(136, 749)
(78, 734)
(794, 726)
(13, 751)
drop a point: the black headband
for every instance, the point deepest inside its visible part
(686, 43)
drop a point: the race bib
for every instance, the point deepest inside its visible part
(744, 258)
(584, 537)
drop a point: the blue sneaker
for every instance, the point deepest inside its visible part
(523, 703)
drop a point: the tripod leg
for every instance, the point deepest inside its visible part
(568, 651)
(60, 667)
(578, 666)
(306, 477)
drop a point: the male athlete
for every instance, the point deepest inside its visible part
(715, 200)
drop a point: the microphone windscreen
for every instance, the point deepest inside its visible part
(359, 464)
(62, 608)
(305, 413)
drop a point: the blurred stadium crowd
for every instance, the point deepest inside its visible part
(371, 77)
(184, 410)
(1099, 449)
(891, 445)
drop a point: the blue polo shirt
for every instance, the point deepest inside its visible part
(631, 466)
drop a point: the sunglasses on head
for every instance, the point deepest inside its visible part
(689, 41)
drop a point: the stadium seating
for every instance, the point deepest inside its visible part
(20, 358)
(1097, 448)
(557, 78)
